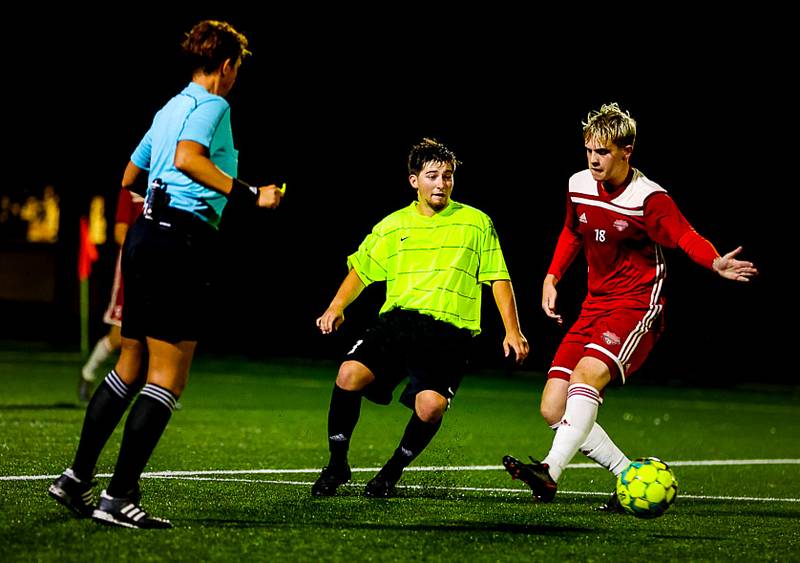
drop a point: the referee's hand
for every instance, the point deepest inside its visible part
(269, 196)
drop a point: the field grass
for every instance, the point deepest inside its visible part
(234, 468)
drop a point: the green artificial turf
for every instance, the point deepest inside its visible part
(250, 438)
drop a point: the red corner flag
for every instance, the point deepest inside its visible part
(87, 252)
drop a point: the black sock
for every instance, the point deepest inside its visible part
(342, 418)
(415, 439)
(104, 412)
(146, 422)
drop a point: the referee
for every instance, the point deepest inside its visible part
(188, 159)
(434, 256)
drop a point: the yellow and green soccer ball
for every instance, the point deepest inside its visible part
(647, 487)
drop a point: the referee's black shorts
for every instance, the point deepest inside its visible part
(433, 354)
(167, 266)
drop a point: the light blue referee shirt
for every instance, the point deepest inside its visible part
(193, 115)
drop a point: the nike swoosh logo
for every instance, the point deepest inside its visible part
(403, 238)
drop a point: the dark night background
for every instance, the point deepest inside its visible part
(331, 106)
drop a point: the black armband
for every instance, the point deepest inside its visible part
(243, 192)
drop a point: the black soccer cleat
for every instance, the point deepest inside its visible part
(73, 493)
(329, 480)
(382, 485)
(536, 475)
(612, 505)
(127, 513)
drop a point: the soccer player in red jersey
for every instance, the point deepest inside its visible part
(622, 220)
(129, 206)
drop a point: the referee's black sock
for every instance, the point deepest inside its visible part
(415, 439)
(109, 402)
(342, 418)
(146, 422)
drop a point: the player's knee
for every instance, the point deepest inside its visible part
(551, 412)
(554, 401)
(171, 379)
(430, 406)
(114, 341)
(353, 376)
(591, 371)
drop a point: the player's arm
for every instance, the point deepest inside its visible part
(191, 158)
(351, 288)
(134, 179)
(506, 302)
(568, 246)
(667, 226)
(122, 215)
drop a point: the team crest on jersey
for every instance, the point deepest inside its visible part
(620, 224)
(583, 218)
(611, 339)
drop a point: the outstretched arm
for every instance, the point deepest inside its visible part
(191, 158)
(351, 287)
(503, 293)
(666, 225)
(737, 270)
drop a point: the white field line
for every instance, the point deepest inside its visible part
(429, 468)
(210, 475)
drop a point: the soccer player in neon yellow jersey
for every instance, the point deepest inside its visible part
(434, 256)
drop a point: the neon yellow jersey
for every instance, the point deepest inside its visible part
(433, 265)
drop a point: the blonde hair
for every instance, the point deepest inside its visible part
(610, 124)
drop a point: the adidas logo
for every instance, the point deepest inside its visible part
(583, 218)
(338, 438)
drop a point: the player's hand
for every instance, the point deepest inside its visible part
(269, 196)
(330, 320)
(738, 270)
(519, 344)
(549, 295)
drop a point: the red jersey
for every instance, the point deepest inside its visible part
(622, 234)
(129, 206)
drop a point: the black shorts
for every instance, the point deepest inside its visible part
(167, 267)
(433, 355)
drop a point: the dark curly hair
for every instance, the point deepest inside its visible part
(210, 42)
(429, 150)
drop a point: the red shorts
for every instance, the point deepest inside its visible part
(621, 339)
(113, 315)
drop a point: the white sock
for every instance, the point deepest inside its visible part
(599, 448)
(101, 352)
(579, 415)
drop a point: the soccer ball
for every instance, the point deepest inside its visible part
(647, 487)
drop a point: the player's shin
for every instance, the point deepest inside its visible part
(417, 436)
(580, 414)
(343, 416)
(601, 449)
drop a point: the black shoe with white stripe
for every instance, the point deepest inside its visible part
(382, 485)
(330, 479)
(73, 493)
(125, 512)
